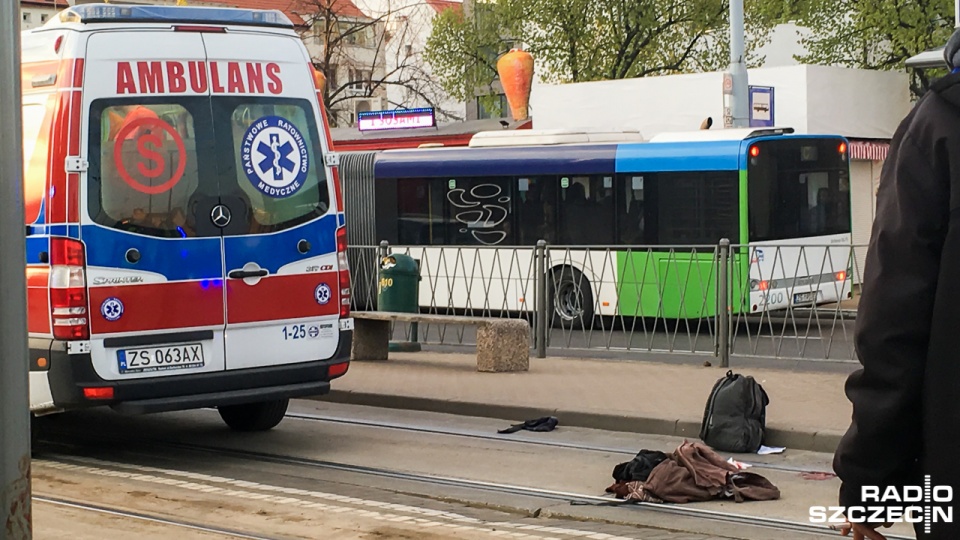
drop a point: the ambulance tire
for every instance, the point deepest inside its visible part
(260, 416)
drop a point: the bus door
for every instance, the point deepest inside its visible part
(276, 212)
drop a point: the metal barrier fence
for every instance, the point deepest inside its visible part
(775, 301)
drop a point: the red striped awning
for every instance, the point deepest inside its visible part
(869, 150)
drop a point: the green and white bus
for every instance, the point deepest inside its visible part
(632, 225)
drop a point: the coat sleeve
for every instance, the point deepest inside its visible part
(883, 443)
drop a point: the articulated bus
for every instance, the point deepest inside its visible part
(632, 225)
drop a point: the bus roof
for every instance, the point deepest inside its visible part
(503, 161)
(730, 134)
(569, 159)
(527, 137)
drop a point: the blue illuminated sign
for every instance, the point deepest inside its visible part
(101, 13)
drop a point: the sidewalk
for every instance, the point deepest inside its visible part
(808, 410)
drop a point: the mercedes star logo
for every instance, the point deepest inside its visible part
(220, 216)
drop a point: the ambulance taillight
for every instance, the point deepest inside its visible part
(68, 289)
(343, 269)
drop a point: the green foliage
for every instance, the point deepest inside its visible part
(874, 34)
(463, 51)
(589, 40)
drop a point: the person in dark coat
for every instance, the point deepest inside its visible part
(906, 396)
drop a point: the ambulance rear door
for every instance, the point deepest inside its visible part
(278, 214)
(154, 262)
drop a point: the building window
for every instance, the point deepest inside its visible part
(43, 17)
(26, 17)
(360, 80)
(332, 76)
(504, 112)
(357, 33)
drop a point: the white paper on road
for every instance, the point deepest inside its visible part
(764, 450)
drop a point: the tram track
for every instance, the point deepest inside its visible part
(574, 499)
(470, 434)
(152, 518)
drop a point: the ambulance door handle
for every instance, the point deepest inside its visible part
(240, 274)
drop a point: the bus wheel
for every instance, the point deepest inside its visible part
(254, 416)
(571, 298)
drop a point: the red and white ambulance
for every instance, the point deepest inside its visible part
(185, 228)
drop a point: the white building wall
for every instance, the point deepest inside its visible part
(856, 102)
(815, 99)
(34, 16)
(784, 44)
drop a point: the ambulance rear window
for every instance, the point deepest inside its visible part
(158, 165)
(144, 166)
(274, 159)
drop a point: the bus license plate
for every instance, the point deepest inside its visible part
(149, 359)
(805, 298)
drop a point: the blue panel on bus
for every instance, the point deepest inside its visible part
(680, 156)
(503, 161)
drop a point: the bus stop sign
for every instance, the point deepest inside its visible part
(761, 106)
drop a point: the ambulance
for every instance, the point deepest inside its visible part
(185, 230)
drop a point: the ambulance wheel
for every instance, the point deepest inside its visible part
(254, 416)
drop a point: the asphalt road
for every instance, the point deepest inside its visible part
(188, 466)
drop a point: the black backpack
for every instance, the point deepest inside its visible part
(735, 417)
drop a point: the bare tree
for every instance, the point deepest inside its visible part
(359, 56)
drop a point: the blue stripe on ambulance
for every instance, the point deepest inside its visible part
(272, 251)
(35, 246)
(177, 259)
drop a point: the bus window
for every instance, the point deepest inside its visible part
(697, 208)
(537, 208)
(632, 209)
(420, 210)
(586, 210)
(798, 189)
(480, 211)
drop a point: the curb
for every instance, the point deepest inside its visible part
(775, 436)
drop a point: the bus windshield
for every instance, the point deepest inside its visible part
(798, 188)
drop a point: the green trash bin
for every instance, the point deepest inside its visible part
(399, 291)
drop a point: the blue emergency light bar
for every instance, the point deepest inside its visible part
(119, 13)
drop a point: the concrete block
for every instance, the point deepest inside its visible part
(371, 340)
(503, 345)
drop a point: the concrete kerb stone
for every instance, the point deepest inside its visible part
(775, 436)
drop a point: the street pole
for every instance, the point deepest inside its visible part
(736, 98)
(956, 14)
(15, 521)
